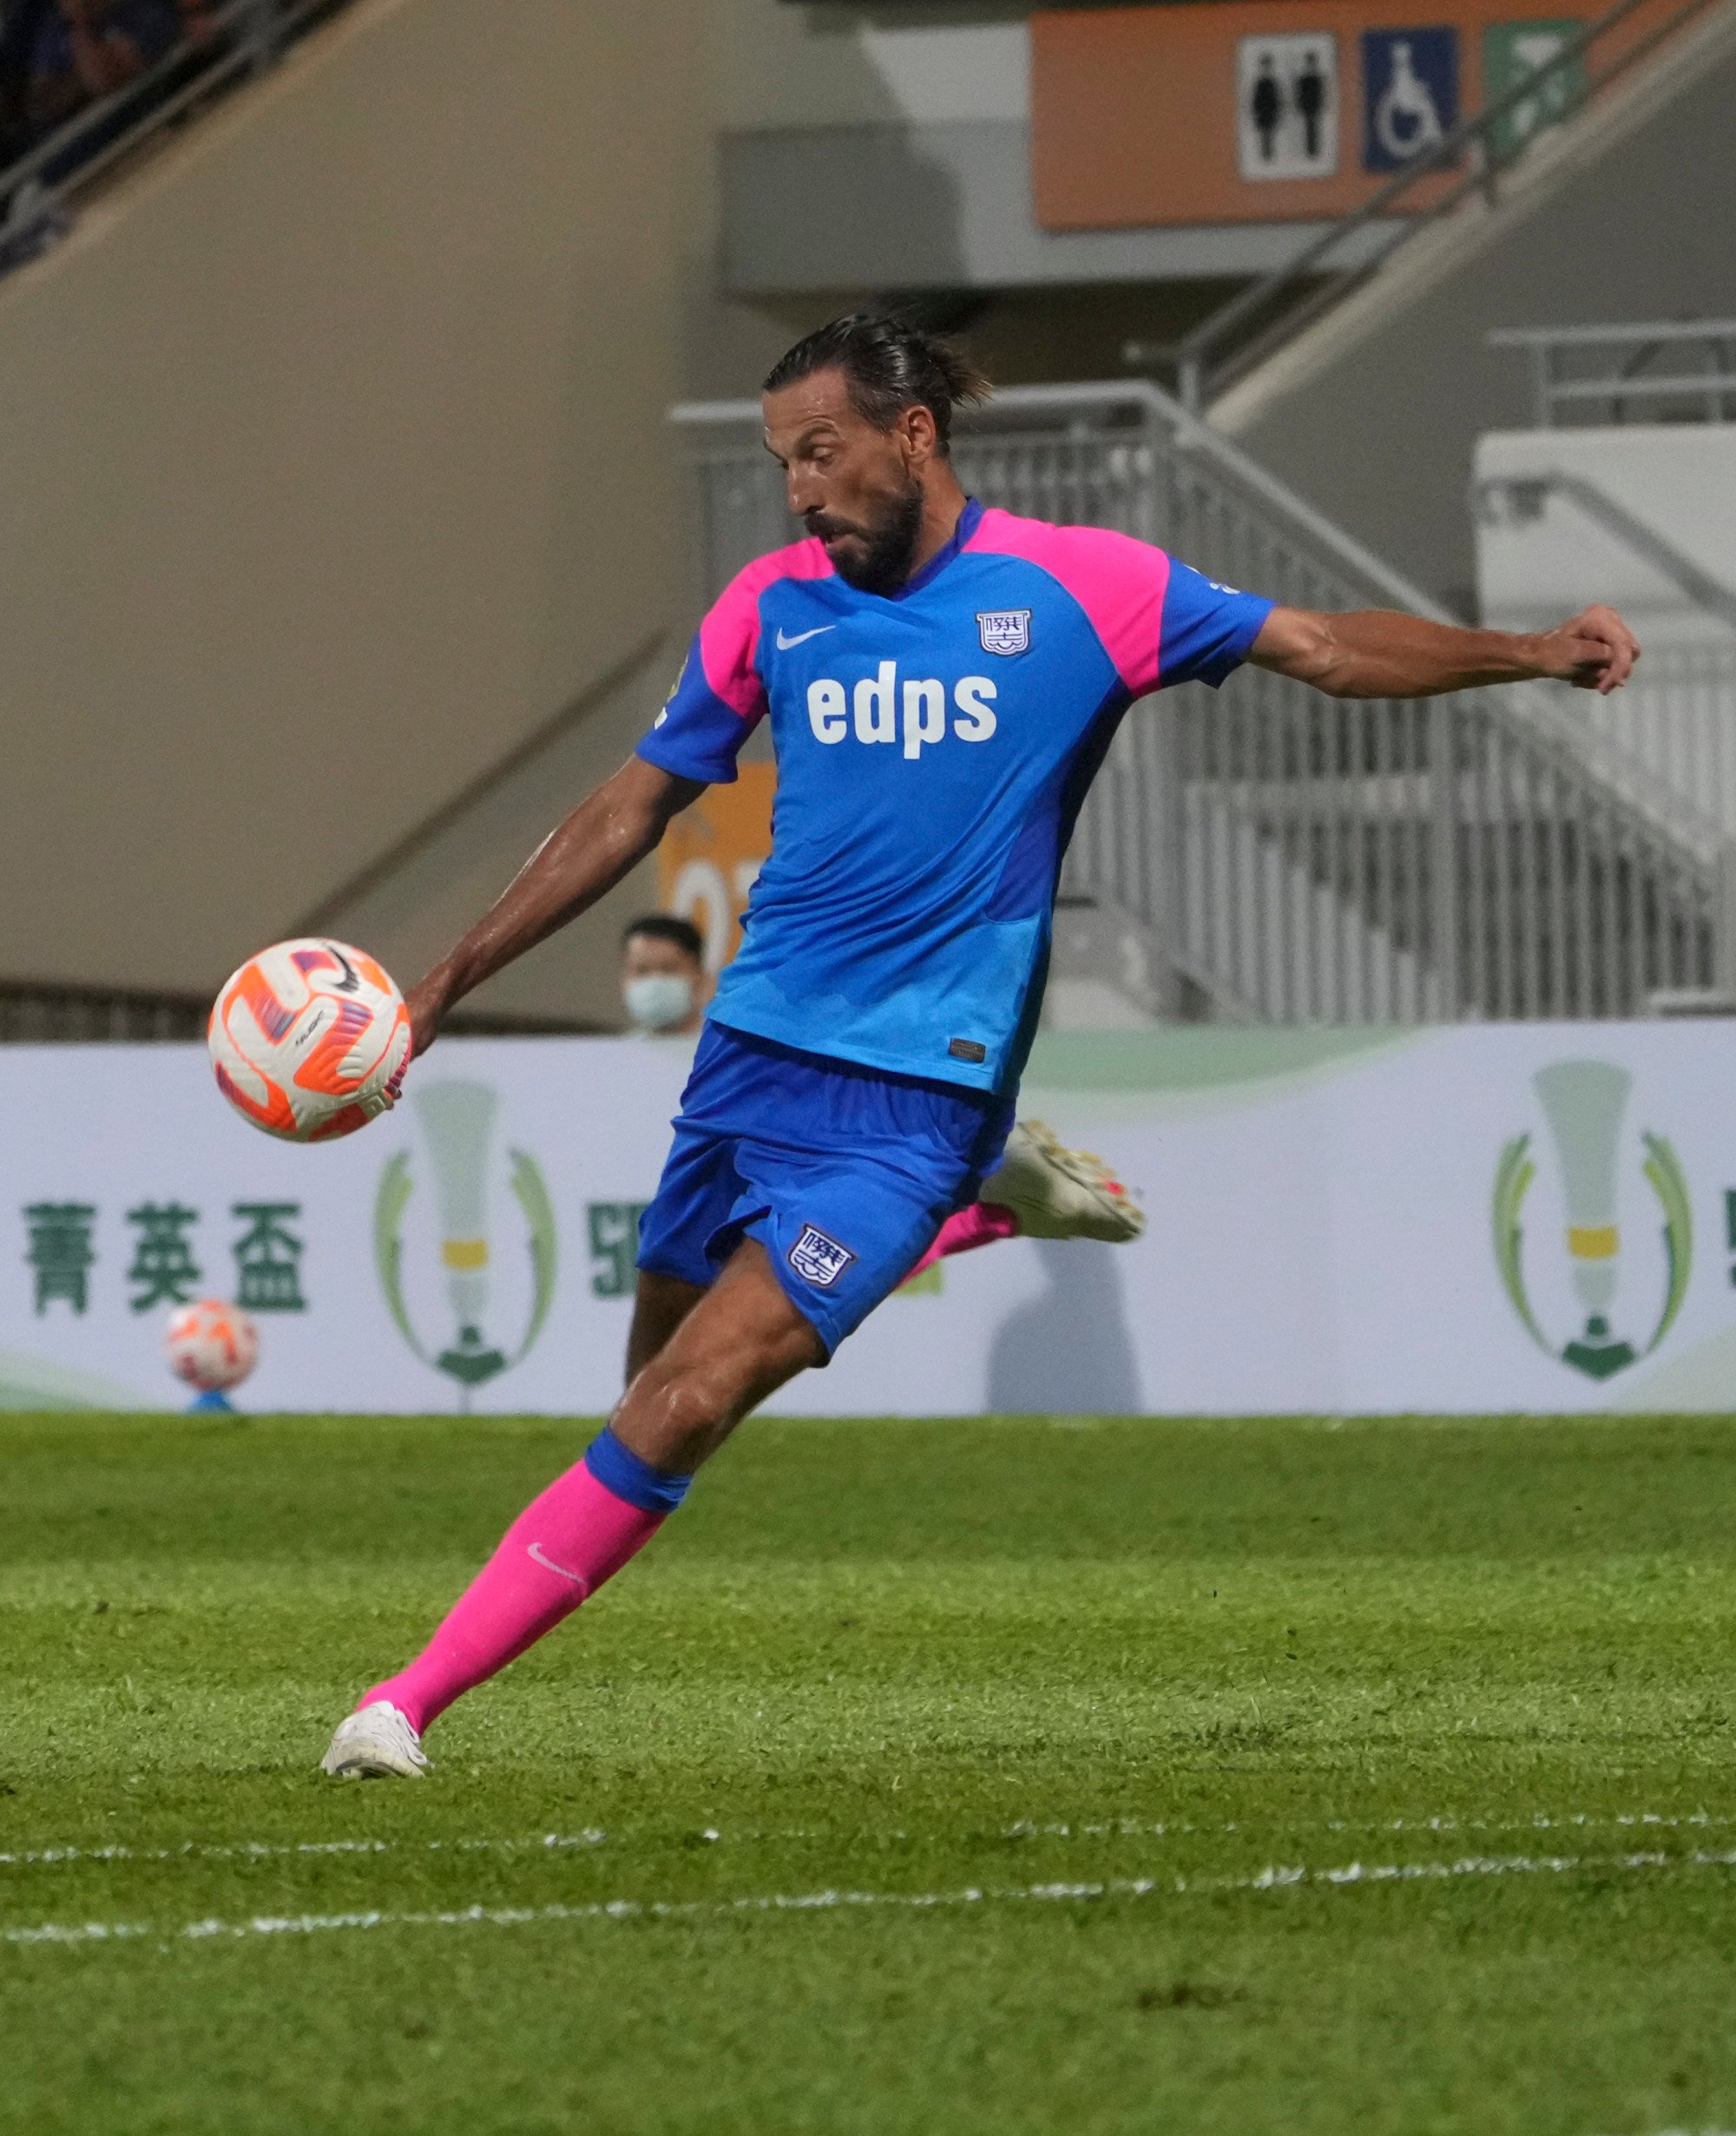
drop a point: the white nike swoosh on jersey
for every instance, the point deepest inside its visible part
(536, 1551)
(788, 645)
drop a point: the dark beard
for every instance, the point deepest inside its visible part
(891, 548)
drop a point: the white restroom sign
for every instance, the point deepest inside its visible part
(1287, 106)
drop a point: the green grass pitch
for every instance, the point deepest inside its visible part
(1001, 1777)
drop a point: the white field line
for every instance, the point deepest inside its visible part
(262, 1850)
(1118, 1828)
(1280, 1878)
(1540, 1821)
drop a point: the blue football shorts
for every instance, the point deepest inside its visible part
(843, 1174)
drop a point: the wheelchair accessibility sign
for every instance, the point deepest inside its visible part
(1410, 94)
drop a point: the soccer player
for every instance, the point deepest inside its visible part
(943, 681)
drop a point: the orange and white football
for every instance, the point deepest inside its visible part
(211, 1346)
(308, 1039)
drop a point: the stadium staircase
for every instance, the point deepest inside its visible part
(1461, 200)
(1259, 854)
(343, 508)
(1453, 204)
(1363, 373)
(1265, 854)
(42, 187)
(1516, 854)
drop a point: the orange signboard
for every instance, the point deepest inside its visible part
(712, 852)
(1261, 110)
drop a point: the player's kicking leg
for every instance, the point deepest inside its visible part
(1040, 1190)
(699, 1360)
(1058, 1192)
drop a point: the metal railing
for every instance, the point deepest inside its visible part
(1673, 730)
(240, 39)
(1240, 334)
(1287, 857)
(42, 1012)
(1676, 370)
(1520, 500)
(1677, 719)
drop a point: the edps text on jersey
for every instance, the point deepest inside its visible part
(881, 708)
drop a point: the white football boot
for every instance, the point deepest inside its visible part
(375, 1744)
(1058, 1192)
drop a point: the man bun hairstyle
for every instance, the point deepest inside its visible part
(889, 364)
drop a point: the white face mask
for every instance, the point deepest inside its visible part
(658, 1001)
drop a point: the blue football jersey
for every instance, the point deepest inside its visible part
(933, 748)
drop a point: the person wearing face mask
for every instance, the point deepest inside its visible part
(664, 983)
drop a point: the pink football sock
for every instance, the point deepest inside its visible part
(560, 1549)
(979, 1226)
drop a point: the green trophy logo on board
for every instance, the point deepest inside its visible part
(1584, 1103)
(458, 1121)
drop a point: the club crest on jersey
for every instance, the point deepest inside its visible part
(1005, 631)
(818, 1259)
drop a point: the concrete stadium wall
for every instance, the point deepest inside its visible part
(336, 466)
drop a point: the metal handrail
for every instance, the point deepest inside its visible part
(1196, 378)
(1681, 383)
(1627, 348)
(43, 1012)
(1148, 399)
(248, 38)
(1521, 497)
(1600, 337)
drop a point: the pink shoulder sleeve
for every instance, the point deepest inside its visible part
(729, 637)
(1118, 581)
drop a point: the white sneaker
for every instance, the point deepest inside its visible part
(1058, 1192)
(375, 1745)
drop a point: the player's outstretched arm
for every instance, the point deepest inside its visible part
(1378, 652)
(604, 840)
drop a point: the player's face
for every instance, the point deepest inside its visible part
(856, 488)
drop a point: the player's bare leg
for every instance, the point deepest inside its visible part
(731, 1347)
(740, 1342)
(660, 1305)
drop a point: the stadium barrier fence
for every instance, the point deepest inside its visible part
(1664, 371)
(38, 1012)
(1285, 857)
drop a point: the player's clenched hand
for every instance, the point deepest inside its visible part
(424, 1024)
(426, 1002)
(1594, 650)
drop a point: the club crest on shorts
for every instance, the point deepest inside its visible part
(818, 1259)
(1005, 631)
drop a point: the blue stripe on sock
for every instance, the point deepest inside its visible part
(618, 1469)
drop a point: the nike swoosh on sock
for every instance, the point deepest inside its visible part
(537, 1551)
